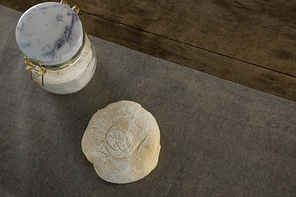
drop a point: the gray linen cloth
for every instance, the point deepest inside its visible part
(218, 138)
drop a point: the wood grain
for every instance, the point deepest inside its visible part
(198, 59)
(20, 5)
(250, 43)
(252, 31)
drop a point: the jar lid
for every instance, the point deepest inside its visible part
(49, 32)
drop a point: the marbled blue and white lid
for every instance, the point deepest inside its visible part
(49, 32)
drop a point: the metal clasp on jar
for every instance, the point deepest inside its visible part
(37, 66)
(75, 7)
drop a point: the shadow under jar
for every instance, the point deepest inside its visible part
(58, 53)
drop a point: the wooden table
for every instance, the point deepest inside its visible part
(218, 138)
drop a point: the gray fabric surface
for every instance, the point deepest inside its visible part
(218, 138)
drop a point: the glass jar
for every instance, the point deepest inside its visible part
(58, 53)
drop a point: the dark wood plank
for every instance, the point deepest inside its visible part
(259, 32)
(214, 64)
(142, 35)
(20, 5)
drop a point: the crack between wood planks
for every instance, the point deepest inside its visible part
(190, 45)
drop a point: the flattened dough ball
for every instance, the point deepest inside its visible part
(122, 141)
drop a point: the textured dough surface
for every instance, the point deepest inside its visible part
(122, 141)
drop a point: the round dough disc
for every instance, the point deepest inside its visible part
(123, 142)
